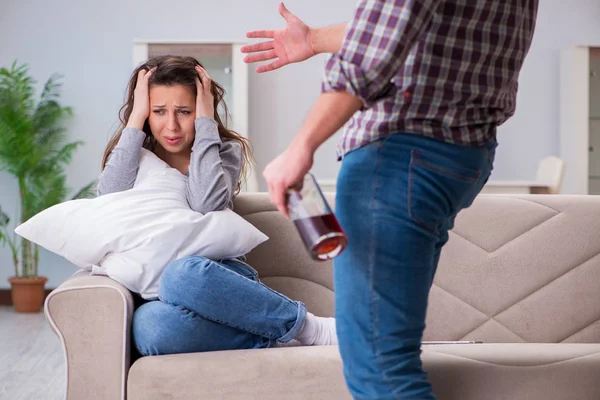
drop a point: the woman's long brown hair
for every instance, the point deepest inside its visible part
(178, 70)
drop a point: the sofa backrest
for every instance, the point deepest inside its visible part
(516, 269)
(282, 261)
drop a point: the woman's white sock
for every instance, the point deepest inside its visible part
(317, 331)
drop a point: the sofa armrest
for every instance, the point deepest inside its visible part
(92, 317)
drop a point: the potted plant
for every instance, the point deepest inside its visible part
(33, 149)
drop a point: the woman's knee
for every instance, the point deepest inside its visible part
(151, 335)
(160, 328)
(179, 273)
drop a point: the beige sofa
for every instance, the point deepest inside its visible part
(521, 273)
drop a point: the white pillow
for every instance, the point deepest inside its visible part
(132, 235)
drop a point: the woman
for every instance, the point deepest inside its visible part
(203, 305)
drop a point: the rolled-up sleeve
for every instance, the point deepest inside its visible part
(377, 42)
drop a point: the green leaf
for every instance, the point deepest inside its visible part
(4, 219)
(34, 148)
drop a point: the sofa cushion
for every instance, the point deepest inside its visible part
(516, 269)
(301, 373)
(520, 269)
(283, 262)
(457, 372)
(514, 371)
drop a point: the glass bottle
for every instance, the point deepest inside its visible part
(317, 225)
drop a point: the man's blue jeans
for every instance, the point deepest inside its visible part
(207, 305)
(396, 200)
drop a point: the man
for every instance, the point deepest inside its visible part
(426, 83)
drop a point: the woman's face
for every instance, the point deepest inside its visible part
(172, 115)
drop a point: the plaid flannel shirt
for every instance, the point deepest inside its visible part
(442, 69)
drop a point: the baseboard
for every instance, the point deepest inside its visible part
(6, 300)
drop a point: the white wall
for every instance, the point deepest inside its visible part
(90, 43)
(534, 130)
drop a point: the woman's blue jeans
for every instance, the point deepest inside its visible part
(396, 200)
(205, 305)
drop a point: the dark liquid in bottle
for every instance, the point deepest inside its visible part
(322, 235)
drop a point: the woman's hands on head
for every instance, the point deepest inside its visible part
(141, 100)
(204, 97)
(141, 97)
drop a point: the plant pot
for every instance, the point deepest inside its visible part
(28, 293)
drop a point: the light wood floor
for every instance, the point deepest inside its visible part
(31, 359)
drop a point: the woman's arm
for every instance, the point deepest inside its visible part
(214, 169)
(122, 166)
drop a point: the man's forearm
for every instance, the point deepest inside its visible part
(328, 39)
(330, 112)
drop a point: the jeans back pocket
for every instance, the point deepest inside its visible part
(439, 186)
